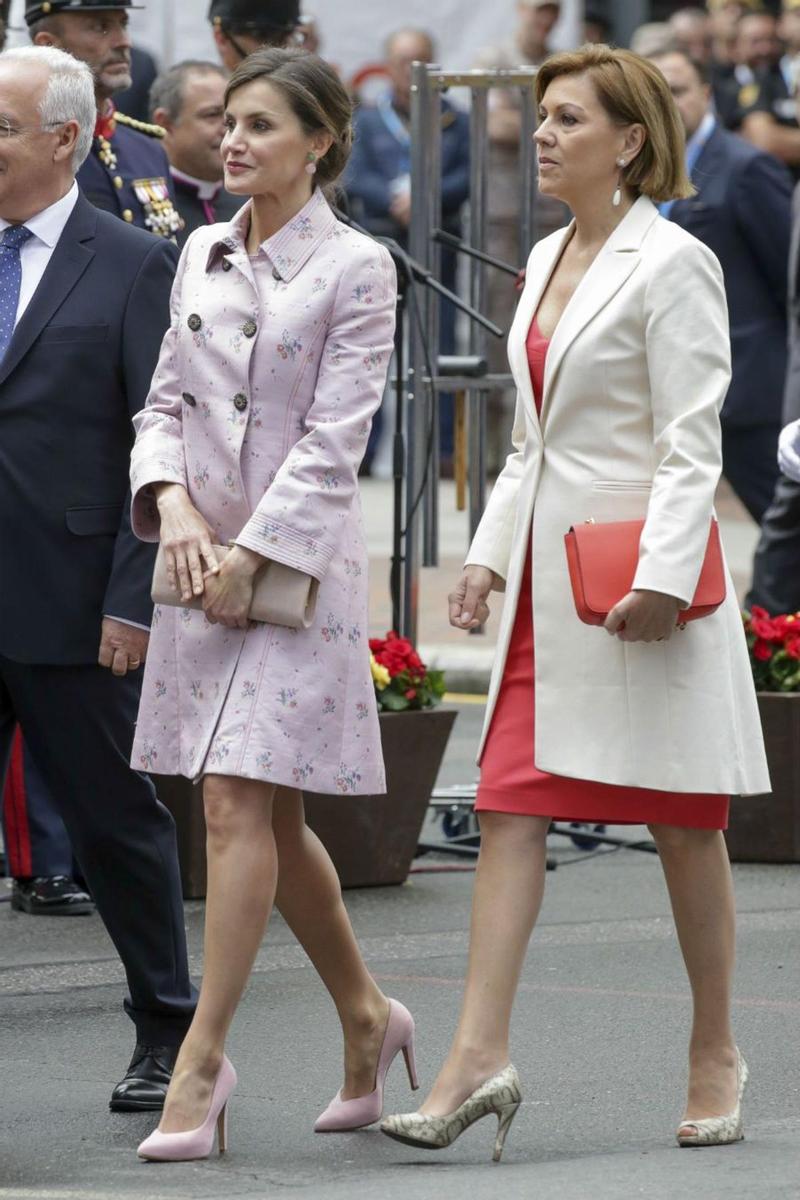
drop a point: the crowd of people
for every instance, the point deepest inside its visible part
(140, 260)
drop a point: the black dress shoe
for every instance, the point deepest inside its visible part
(50, 896)
(146, 1081)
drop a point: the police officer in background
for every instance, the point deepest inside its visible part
(770, 122)
(127, 172)
(242, 26)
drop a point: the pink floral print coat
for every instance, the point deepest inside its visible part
(261, 406)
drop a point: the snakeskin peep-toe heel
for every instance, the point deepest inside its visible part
(500, 1095)
(718, 1131)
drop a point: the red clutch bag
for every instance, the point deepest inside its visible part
(603, 558)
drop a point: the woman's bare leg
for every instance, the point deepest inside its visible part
(242, 877)
(698, 875)
(309, 898)
(509, 885)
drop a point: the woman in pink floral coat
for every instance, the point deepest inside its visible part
(276, 359)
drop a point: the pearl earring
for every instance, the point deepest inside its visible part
(616, 199)
(311, 166)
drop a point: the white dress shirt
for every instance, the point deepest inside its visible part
(35, 254)
(46, 227)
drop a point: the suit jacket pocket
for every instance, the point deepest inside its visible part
(73, 333)
(90, 520)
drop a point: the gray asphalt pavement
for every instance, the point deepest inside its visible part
(599, 1040)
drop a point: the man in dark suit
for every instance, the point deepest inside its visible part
(188, 101)
(742, 212)
(84, 308)
(127, 172)
(776, 579)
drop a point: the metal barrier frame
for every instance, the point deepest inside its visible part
(429, 83)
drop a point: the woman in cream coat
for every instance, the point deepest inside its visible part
(621, 356)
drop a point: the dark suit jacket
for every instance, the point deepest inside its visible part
(742, 212)
(377, 159)
(78, 367)
(191, 208)
(791, 396)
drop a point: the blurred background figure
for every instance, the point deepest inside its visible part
(755, 51)
(309, 32)
(770, 122)
(692, 30)
(742, 211)
(597, 25)
(188, 100)
(378, 184)
(242, 26)
(654, 37)
(529, 46)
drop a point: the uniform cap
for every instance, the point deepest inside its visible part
(36, 9)
(255, 14)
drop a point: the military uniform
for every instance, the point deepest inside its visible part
(127, 174)
(773, 92)
(254, 17)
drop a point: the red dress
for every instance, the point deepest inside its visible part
(511, 783)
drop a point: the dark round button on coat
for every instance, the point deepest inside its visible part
(226, 264)
(276, 275)
(249, 329)
(240, 401)
(189, 399)
(194, 322)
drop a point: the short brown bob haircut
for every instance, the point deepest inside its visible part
(632, 91)
(314, 93)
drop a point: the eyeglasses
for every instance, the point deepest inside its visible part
(12, 131)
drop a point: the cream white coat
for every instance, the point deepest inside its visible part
(636, 374)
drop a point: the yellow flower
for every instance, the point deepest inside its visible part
(380, 675)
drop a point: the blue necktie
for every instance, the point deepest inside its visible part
(10, 281)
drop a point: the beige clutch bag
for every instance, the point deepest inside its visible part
(281, 595)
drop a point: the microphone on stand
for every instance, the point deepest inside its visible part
(456, 243)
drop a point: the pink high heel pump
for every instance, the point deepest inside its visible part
(196, 1143)
(342, 1115)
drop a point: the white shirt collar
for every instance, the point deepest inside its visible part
(48, 225)
(205, 189)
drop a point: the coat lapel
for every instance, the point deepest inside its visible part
(69, 260)
(616, 261)
(540, 267)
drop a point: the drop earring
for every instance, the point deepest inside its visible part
(311, 165)
(616, 199)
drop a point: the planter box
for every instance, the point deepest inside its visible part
(767, 828)
(371, 839)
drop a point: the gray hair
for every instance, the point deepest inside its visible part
(168, 88)
(69, 95)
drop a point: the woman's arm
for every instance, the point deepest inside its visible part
(299, 519)
(688, 358)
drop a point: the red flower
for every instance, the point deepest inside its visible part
(762, 650)
(793, 646)
(758, 613)
(765, 628)
(411, 694)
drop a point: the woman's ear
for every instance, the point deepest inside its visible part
(635, 138)
(321, 143)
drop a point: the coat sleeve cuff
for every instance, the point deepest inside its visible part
(650, 580)
(273, 540)
(145, 518)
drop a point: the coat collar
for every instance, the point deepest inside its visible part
(615, 262)
(290, 248)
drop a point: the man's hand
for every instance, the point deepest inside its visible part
(123, 647)
(789, 451)
(400, 208)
